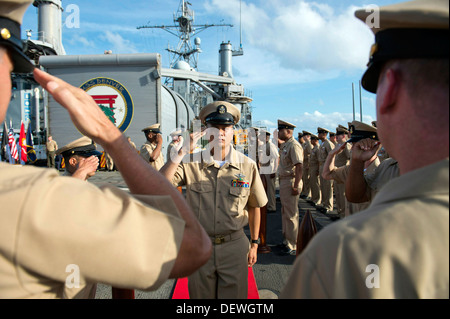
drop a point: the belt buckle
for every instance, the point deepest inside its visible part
(219, 240)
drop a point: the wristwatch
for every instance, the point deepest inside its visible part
(257, 241)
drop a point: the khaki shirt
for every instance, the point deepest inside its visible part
(314, 158)
(397, 248)
(387, 170)
(52, 146)
(291, 154)
(324, 149)
(343, 158)
(50, 226)
(220, 196)
(147, 150)
(307, 149)
(269, 159)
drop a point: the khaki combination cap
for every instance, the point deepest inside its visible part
(408, 30)
(176, 133)
(11, 16)
(360, 130)
(322, 130)
(307, 133)
(220, 113)
(314, 137)
(152, 128)
(283, 124)
(83, 146)
(341, 130)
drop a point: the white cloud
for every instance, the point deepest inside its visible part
(297, 41)
(77, 40)
(118, 43)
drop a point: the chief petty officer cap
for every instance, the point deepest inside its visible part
(408, 30)
(283, 124)
(220, 113)
(155, 128)
(177, 133)
(322, 130)
(341, 130)
(83, 146)
(306, 133)
(314, 137)
(360, 130)
(11, 16)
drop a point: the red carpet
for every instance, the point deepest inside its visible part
(181, 287)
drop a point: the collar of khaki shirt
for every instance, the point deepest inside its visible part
(208, 160)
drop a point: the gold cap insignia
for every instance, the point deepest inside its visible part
(351, 129)
(222, 109)
(5, 34)
(373, 50)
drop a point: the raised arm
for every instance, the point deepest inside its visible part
(356, 186)
(139, 176)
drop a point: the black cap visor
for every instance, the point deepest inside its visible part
(85, 151)
(360, 135)
(220, 119)
(403, 44)
(10, 39)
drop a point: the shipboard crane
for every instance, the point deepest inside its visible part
(185, 29)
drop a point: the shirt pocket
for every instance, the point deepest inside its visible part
(238, 197)
(202, 198)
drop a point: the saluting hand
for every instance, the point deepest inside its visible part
(365, 149)
(84, 112)
(86, 167)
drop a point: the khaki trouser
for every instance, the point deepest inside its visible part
(315, 184)
(225, 275)
(340, 198)
(326, 188)
(306, 182)
(271, 204)
(289, 212)
(51, 158)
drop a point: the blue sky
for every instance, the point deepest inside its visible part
(300, 60)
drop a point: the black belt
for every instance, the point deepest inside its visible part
(221, 239)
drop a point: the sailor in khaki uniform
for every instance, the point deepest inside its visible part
(268, 159)
(224, 189)
(81, 158)
(307, 148)
(59, 233)
(399, 246)
(360, 131)
(151, 150)
(314, 171)
(342, 159)
(290, 172)
(326, 187)
(51, 147)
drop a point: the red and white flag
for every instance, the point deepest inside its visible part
(12, 145)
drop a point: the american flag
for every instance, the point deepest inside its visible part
(12, 145)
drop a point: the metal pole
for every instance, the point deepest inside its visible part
(360, 101)
(353, 98)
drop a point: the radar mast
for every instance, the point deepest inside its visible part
(185, 30)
